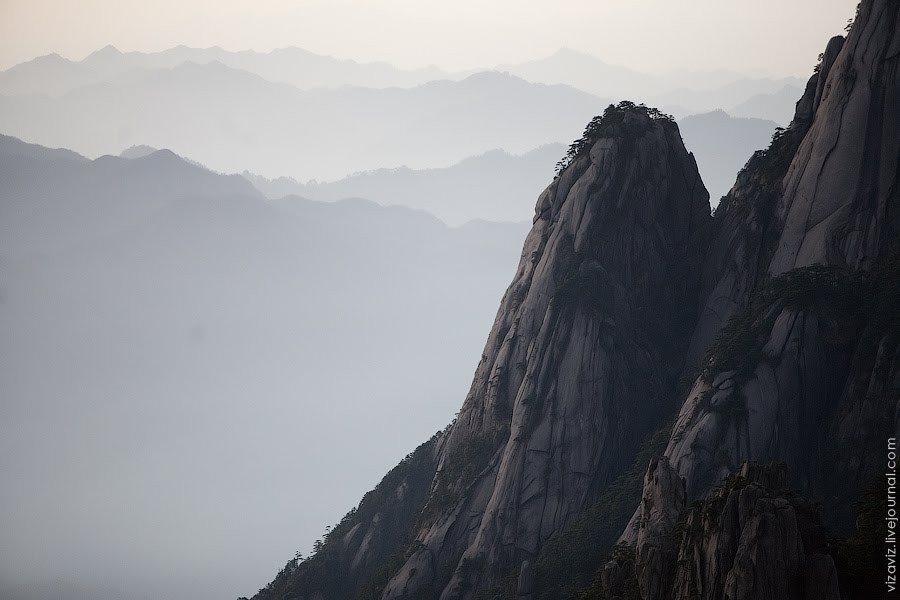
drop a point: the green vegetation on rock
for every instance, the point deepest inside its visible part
(839, 297)
(612, 123)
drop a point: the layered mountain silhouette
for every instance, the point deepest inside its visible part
(776, 106)
(232, 120)
(490, 186)
(671, 405)
(721, 144)
(54, 75)
(496, 185)
(157, 317)
(293, 113)
(680, 93)
(738, 97)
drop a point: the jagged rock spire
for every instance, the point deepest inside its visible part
(582, 358)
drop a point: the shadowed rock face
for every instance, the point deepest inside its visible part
(662, 501)
(581, 360)
(828, 356)
(807, 369)
(746, 227)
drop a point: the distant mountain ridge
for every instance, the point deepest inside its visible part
(493, 186)
(232, 120)
(679, 92)
(293, 113)
(777, 106)
(721, 144)
(498, 186)
(169, 334)
(54, 75)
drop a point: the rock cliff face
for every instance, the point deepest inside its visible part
(801, 336)
(783, 311)
(807, 343)
(746, 228)
(580, 365)
(581, 360)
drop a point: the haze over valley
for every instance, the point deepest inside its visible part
(175, 345)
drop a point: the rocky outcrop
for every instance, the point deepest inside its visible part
(657, 549)
(581, 360)
(581, 364)
(751, 540)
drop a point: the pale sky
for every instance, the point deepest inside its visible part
(756, 37)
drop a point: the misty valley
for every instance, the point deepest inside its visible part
(283, 326)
